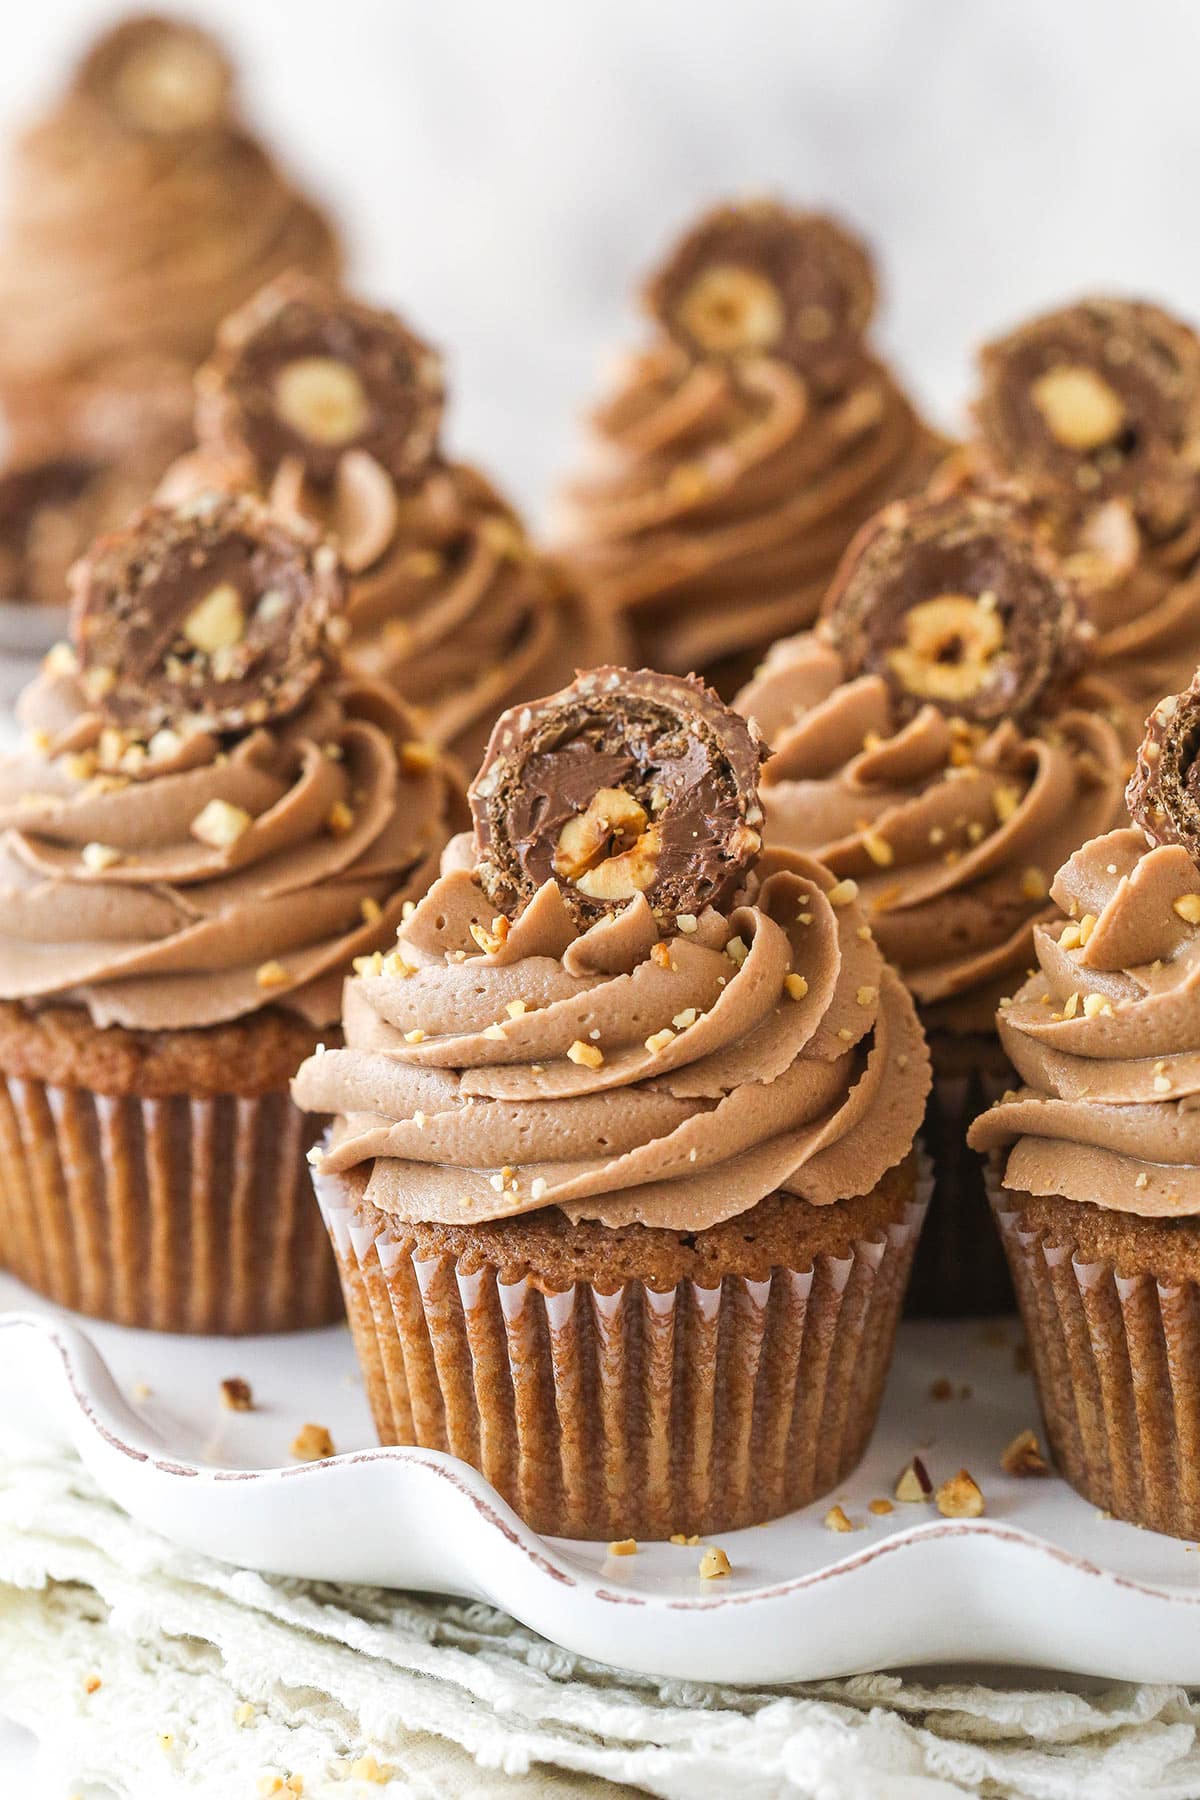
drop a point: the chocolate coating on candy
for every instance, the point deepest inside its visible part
(1163, 795)
(1096, 401)
(212, 612)
(300, 372)
(624, 783)
(761, 279)
(955, 603)
(158, 76)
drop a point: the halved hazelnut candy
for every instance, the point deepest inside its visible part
(762, 279)
(625, 783)
(1163, 795)
(302, 374)
(956, 603)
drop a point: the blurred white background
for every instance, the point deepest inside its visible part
(506, 172)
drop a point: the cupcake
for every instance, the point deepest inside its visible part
(622, 1178)
(744, 445)
(927, 748)
(139, 212)
(1096, 1155)
(210, 820)
(332, 410)
(1094, 411)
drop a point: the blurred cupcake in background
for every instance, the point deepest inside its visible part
(745, 445)
(622, 1179)
(1093, 412)
(926, 747)
(331, 410)
(1096, 1148)
(211, 818)
(139, 212)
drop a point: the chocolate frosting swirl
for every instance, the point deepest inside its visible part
(449, 602)
(194, 879)
(951, 830)
(625, 1072)
(1094, 412)
(1105, 1037)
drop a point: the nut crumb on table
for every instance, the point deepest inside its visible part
(236, 1395)
(312, 1443)
(960, 1497)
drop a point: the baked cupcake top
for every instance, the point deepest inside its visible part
(211, 814)
(746, 443)
(1105, 1034)
(611, 1003)
(331, 411)
(924, 744)
(1094, 412)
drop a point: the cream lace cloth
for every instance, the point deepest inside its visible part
(216, 1682)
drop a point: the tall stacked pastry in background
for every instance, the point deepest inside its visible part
(211, 819)
(1093, 412)
(331, 411)
(622, 1178)
(139, 212)
(926, 748)
(745, 445)
(1096, 1149)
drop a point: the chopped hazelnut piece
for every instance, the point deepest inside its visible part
(658, 1040)
(880, 1507)
(339, 819)
(1023, 1456)
(660, 953)
(92, 1684)
(842, 892)
(365, 1768)
(623, 1547)
(878, 849)
(490, 941)
(417, 756)
(913, 1484)
(714, 1563)
(960, 1497)
(99, 857)
(271, 974)
(836, 1520)
(590, 1055)
(312, 1443)
(737, 951)
(795, 985)
(236, 1395)
(1034, 885)
(220, 824)
(1188, 908)
(941, 1389)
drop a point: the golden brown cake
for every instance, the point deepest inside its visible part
(331, 411)
(929, 744)
(139, 211)
(211, 818)
(745, 444)
(622, 1178)
(1096, 1154)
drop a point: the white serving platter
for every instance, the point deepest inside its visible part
(1041, 1580)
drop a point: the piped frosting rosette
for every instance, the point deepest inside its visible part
(210, 815)
(1094, 411)
(743, 448)
(1105, 1033)
(331, 411)
(923, 747)
(624, 1049)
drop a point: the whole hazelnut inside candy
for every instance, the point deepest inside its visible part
(1095, 402)
(1163, 795)
(763, 279)
(302, 374)
(957, 604)
(158, 76)
(212, 613)
(625, 783)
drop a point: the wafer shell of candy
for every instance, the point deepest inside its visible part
(301, 373)
(625, 783)
(1163, 795)
(1097, 401)
(761, 279)
(213, 612)
(956, 603)
(158, 76)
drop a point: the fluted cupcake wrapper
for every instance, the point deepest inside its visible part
(1116, 1360)
(960, 1270)
(177, 1214)
(632, 1414)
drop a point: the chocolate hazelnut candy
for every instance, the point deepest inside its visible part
(624, 783)
(300, 372)
(956, 604)
(759, 279)
(212, 612)
(1163, 795)
(158, 76)
(1097, 401)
